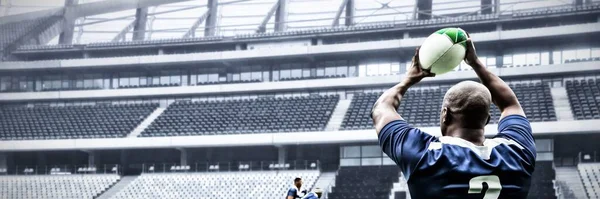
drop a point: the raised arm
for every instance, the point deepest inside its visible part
(502, 95)
(385, 109)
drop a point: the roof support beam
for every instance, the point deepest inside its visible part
(69, 17)
(122, 35)
(139, 28)
(336, 20)
(210, 29)
(263, 25)
(192, 31)
(349, 13)
(281, 16)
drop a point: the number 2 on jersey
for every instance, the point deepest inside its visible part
(493, 182)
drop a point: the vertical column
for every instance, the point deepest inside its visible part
(183, 157)
(281, 16)
(91, 157)
(211, 20)
(66, 35)
(486, 6)
(499, 56)
(497, 7)
(139, 28)
(349, 20)
(578, 2)
(424, 9)
(281, 154)
(3, 160)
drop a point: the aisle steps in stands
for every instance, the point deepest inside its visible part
(590, 176)
(570, 177)
(125, 180)
(399, 187)
(140, 128)
(562, 107)
(337, 117)
(326, 179)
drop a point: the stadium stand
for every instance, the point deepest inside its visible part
(374, 182)
(584, 96)
(590, 175)
(556, 10)
(55, 186)
(229, 82)
(542, 181)
(307, 78)
(289, 114)
(447, 20)
(251, 184)
(421, 107)
(71, 122)
(149, 86)
(10, 32)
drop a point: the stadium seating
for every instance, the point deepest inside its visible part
(307, 78)
(250, 185)
(556, 10)
(55, 186)
(11, 32)
(590, 175)
(542, 185)
(228, 82)
(446, 20)
(421, 107)
(69, 122)
(373, 182)
(150, 85)
(262, 115)
(584, 96)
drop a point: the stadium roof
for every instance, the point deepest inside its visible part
(244, 16)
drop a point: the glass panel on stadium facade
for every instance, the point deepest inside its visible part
(370, 161)
(370, 151)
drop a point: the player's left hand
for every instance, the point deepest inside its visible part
(415, 73)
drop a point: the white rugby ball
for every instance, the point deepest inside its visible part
(443, 50)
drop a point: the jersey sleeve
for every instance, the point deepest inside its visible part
(517, 128)
(404, 144)
(292, 192)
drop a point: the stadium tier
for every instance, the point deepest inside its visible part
(11, 32)
(421, 107)
(590, 175)
(584, 96)
(262, 115)
(250, 185)
(71, 122)
(373, 182)
(55, 186)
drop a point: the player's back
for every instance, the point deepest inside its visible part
(455, 168)
(449, 167)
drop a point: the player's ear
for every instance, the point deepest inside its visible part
(445, 116)
(488, 119)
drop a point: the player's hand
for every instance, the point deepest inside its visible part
(415, 73)
(471, 55)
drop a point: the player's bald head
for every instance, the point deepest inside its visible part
(468, 103)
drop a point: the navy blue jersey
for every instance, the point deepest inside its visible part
(294, 192)
(449, 167)
(311, 195)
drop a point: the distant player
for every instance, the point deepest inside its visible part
(296, 191)
(462, 163)
(314, 194)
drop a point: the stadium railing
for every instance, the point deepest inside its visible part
(230, 166)
(62, 169)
